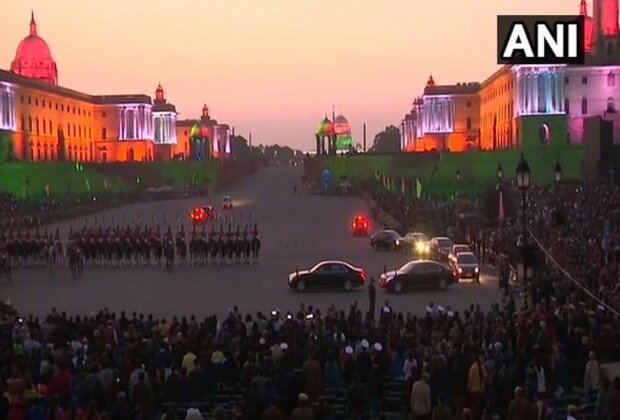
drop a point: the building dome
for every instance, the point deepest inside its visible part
(326, 128)
(199, 131)
(33, 58)
(430, 81)
(341, 126)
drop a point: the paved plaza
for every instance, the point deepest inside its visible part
(296, 231)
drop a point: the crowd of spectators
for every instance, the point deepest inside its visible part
(475, 364)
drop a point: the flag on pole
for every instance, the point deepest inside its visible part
(87, 184)
(418, 188)
(502, 210)
(105, 184)
(48, 190)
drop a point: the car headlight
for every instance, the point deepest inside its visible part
(397, 242)
(460, 270)
(476, 269)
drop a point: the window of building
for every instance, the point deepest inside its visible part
(74, 130)
(44, 127)
(22, 99)
(103, 114)
(584, 80)
(29, 101)
(611, 105)
(49, 104)
(56, 106)
(584, 106)
(23, 123)
(62, 108)
(611, 79)
(49, 125)
(43, 103)
(37, 125)
(468, 104)
(468, 124)
(36, 102)
(104, 133)
(30, 124)
(68, 129)
(566, 105)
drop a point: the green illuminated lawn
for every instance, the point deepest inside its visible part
(477, 168)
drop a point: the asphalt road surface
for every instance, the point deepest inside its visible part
(296, 231)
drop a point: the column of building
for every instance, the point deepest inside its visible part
(121, 123)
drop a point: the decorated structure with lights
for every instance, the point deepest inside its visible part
(45, 121)
(520, 104)
(333, 136)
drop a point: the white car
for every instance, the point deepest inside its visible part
(227, 203)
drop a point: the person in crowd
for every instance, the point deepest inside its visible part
(476, 381)
(442, 411)
(421, 398)
(520, 408)
(592, 375)
(372, 297)
(304, 410)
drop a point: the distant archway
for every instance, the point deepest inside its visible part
(544, 134)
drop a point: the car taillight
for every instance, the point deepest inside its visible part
(364, 275)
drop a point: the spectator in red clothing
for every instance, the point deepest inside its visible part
(61, 385)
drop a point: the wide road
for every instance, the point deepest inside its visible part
(296, 231)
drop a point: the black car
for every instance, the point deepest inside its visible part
(440, 248)
(387, 239)
(328, 274)
(417, 274)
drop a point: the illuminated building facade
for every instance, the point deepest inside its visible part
(203, 138)
(445, 117)
(334, 136)
(526, 105)
(46, 122)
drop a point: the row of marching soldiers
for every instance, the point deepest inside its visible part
(117, 247)
(149, 247)
(27, 248)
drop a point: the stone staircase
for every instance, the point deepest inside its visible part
(229, 399)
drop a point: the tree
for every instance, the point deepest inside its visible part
(239, 146)
(387, 141)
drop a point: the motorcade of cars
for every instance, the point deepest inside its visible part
(360, 225)
(330, 274)
(440, 247)
(466, 266)
(387, 239)
(417, 242)
(456, 249)
(227, 203)
(417, 274)
(202, 214)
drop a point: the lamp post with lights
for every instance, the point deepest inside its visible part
(523, 183)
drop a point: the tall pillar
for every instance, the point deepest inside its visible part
(121, 118)
(561, 92)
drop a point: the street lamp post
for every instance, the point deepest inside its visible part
(523, 182)
(557, 173)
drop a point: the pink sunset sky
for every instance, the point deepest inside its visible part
(271, 67)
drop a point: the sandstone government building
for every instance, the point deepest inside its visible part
(44, 121)
(520, 104)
